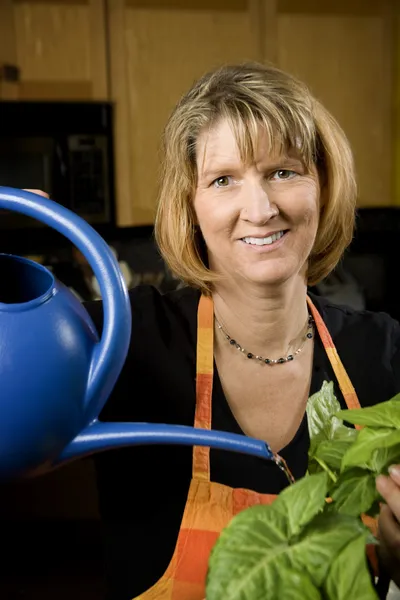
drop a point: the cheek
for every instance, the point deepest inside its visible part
(205, 220)
(309, 225)
(202, 214)
(306, 208)
(213, 217)
(311, 216)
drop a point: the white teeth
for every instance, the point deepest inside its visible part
(264, 241)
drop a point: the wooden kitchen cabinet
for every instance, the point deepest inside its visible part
(396, 165)
(143, 54)
(157, 49)
(59, 47)
(8, 54)
(344, 51)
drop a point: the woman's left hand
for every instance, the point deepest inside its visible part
(389, 522)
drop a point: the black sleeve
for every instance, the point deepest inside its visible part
(395, 359)
(368, 343)
(142, 490)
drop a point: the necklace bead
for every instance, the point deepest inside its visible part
(270, 361)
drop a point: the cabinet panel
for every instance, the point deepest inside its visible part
(8, 54)
(45, 49)
(60, 48)
(346, 61)
(7, 33)
(397, 111)
(156, 54)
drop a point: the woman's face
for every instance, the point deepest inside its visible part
(260, 221)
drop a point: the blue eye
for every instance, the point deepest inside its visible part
(223, 181)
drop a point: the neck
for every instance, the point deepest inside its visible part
(265, 321)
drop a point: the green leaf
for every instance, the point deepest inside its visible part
(254, 553)
(325, 429)
(384, 414)
(323, 538)
(355, 492)
(368, 440)
(331, 452)
(236, 561)
(349, 576)
(382, 458)
(301, 501)
(296, 586)
(323, 424)
(321, 406)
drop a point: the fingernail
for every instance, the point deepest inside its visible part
(394, 471)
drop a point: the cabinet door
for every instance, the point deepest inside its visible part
(157, 49)
(396, 166)
(60, 49)
(8, 51)
(344, 51)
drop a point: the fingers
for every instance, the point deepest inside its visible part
(389, 543)
(38, 192)
(389, 522)
(389, 530)
(389, 488)
(394, 472)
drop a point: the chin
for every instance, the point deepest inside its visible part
(269, 275)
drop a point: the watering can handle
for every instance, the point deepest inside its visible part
(110, 353)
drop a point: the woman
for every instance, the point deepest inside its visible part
(256, 204)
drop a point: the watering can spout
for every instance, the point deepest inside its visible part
(99, 437)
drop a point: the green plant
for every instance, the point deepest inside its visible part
(304, 546)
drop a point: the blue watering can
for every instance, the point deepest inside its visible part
(55, 373)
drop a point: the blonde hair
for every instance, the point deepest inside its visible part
(250, 96)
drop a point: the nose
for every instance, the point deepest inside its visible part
(258, 206)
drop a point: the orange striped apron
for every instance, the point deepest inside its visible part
(210, 506)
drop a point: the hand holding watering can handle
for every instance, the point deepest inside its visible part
(111, 351)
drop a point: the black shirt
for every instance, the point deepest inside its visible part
(142, 490)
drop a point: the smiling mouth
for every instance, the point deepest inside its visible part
(265, 241)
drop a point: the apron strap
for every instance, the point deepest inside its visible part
(205, 373)
(347, 389)
(204, 383)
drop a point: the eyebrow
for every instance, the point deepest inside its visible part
(285, 161)
(217, 170)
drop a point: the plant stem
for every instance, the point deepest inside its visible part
(326, 468)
